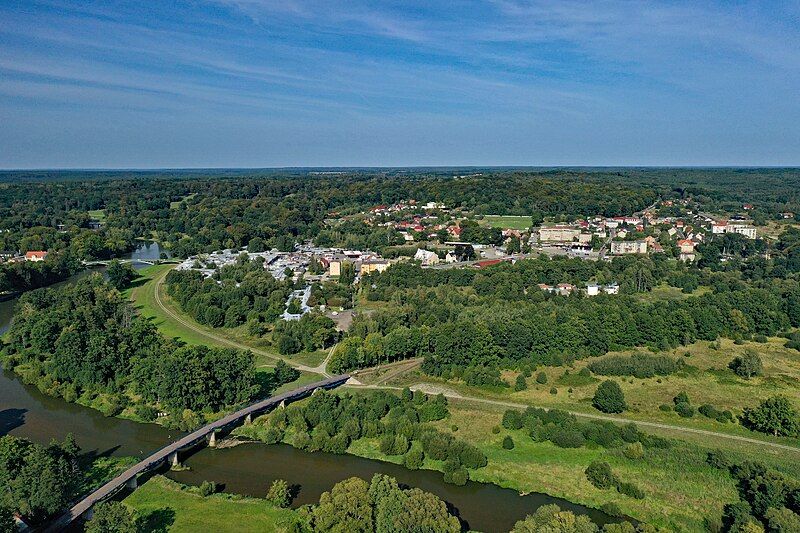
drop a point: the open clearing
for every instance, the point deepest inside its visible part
(508, 221)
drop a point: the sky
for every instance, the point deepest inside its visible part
(263, 83)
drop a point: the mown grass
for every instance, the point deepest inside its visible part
(98, 214)
(508, 221)
(164, 505)
(143, 295)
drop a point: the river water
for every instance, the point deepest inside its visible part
(249, 468)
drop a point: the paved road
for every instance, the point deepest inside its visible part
(157, 458)
(233, 344)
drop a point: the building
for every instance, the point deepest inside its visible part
(373, 265)
(686, 248)
(35, 256)
(611, 288)
(558, 234)
(734, 227)
(565, 289)
(592, 289)
(628, 247)
(426, 257)
(7, 255)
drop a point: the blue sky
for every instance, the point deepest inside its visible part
(261, 83)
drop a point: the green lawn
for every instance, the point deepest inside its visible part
(164, 505)
(98, 214)
(508, 221)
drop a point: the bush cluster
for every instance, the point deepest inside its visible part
(330, 422)
(639, 365)
(600, 475)
(564, 430)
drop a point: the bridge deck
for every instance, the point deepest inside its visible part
(155, 459)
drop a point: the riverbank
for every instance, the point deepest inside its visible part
(165, 505)
(675, 503)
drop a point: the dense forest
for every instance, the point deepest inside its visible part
(472, 323)
(84, 342)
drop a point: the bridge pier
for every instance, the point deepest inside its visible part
(172, 459)
(248, 419)
(282, 405)
(132, 483)
(212, 439)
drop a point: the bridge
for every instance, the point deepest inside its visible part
(106, 262)
(169, 453)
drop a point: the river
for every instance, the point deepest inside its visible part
(249, 468)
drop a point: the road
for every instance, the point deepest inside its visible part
(321, 369)
(233, 344)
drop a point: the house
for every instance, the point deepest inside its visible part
(686, 248)
(628, 247)
(565, 289)
(6, 255)
(612, 288)
(455, 231)
(35, 256)
(743, 229)
(373, 265)
(450, 258)
(592, 289)
(426, 257)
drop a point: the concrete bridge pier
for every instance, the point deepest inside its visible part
(212, 439)
(172, 459)
(248, 419)
(132, 483)
(282, 405)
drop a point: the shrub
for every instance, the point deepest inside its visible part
(508, 443)
(665, 407)
(512, 419)
(634, 450)
(684, 409)
(600, 475)
(567, 438)
(459, 476)
(207, 488)
(718, 459)
(553, 390)
(611, 509)
(629, 489)
(760, 339)
(520, 384)
(541, 378)
(146, 412)
(681, 397)
(585, 372)
(748, 365)
(279, 493)
(414, 458)
(609, 398)
(496, 430)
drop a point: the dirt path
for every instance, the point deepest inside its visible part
(426, 387)
(431, 388)
(233, 344)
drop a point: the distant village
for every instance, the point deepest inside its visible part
(434, 234)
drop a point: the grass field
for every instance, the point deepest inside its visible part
(706, 380)
(508, 221)
(164, 505)
(143, 295)
(674, 502)
(98, 214)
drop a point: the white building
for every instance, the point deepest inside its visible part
(628, 247)
(426, 257)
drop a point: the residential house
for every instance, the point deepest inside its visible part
(628, 247)
(426, 257)
(35, 256)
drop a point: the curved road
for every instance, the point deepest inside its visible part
(321, 370)
(233, 344)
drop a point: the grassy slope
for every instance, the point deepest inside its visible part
(164, 505)
(706, 380)
(143, 296)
